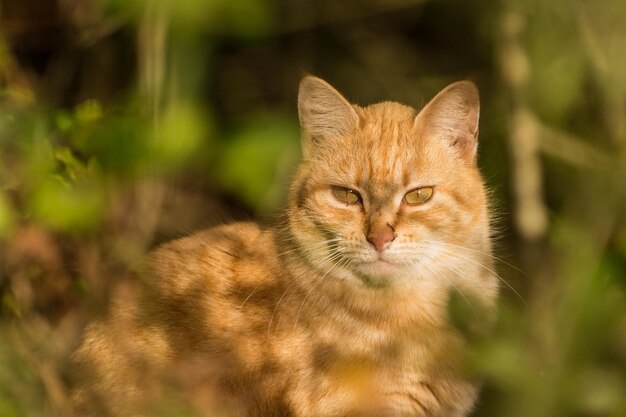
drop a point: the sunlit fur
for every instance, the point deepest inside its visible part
(309, 319)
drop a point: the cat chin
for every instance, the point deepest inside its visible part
(380, 274)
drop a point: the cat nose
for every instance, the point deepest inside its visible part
(381, 237)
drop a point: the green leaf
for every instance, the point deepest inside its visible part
(181, 132)
(67, 207)
(119, 144)
(256, 158)
(88, 112)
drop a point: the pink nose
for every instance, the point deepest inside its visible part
(380, 238)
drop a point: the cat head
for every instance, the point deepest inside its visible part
(385, 193)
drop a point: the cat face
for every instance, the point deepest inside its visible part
(384, 193)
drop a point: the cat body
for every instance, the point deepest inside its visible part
(343, 311)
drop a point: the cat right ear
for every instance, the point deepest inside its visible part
(453, 116)
(323, 112)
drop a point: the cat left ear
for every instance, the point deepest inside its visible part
(453, 116)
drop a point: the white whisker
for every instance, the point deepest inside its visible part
(451, 281)
(479, 264)
(269, 325)
(477, 251)
(331, 260)
(323, 244)
(248, 297)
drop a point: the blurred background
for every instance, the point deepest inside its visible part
(125, 123)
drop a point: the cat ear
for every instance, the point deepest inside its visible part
(323, 112)
(453, 116)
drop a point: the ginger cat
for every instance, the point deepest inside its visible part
(341, 312)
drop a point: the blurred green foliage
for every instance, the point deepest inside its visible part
(125, 123)
(257, 155)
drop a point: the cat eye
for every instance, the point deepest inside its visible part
(346, 195)
(418, 195)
